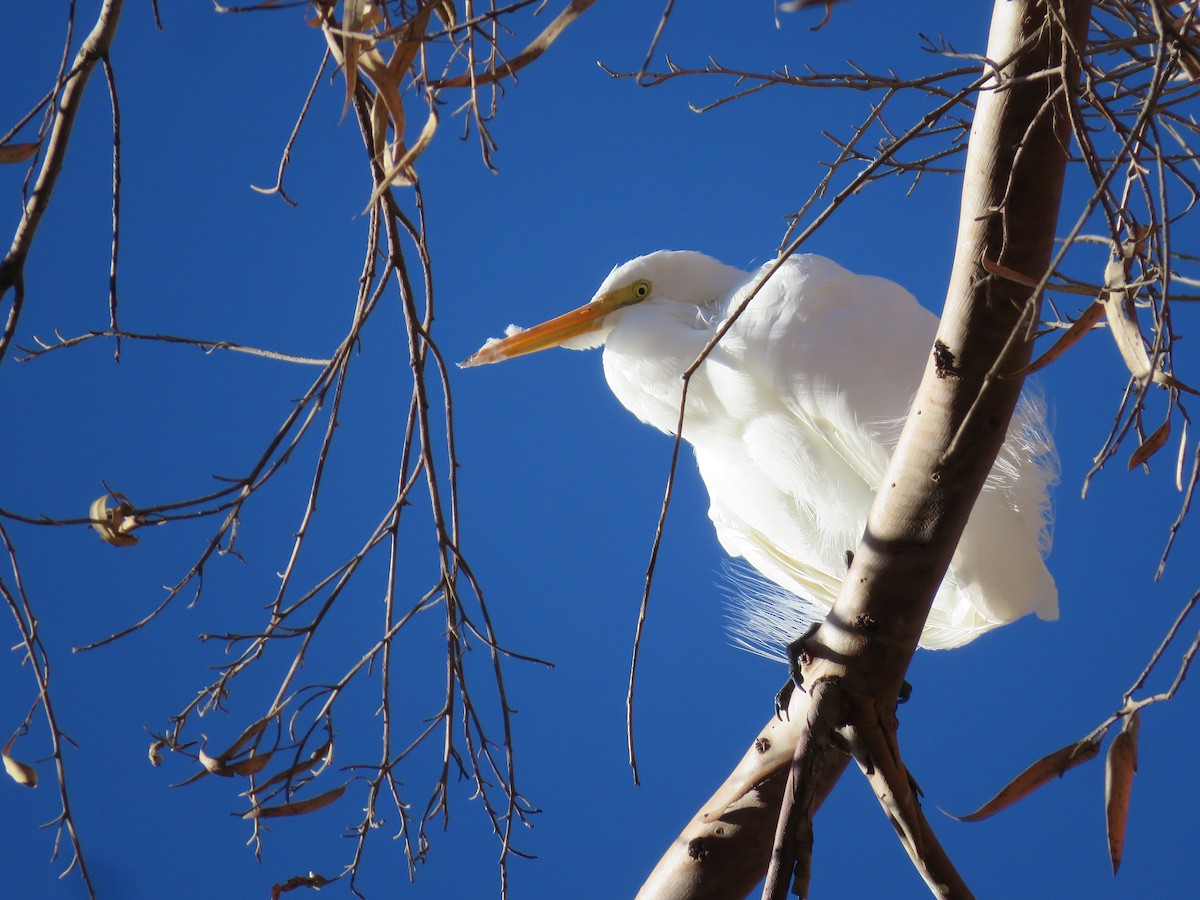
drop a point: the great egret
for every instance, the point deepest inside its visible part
(793, 417)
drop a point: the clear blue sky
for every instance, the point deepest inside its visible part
(560, 486)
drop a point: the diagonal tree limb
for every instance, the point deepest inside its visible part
(725, 849)
(878, 755)
(816, 766)
(93, 50)
(1011, 192)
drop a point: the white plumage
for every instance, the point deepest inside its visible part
(793, 418)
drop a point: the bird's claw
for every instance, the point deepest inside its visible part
(783, 697)
(795, 675)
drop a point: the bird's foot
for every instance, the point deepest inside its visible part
(783, 697)
(795, 649)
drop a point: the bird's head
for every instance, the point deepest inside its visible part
(680, 275)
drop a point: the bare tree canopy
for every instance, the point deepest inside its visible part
(248, 245)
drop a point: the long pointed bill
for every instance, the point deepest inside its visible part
(562, 328)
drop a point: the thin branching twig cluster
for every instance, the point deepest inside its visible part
(411, 61)
(398, 60)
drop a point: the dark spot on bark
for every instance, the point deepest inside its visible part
(865, 623)
(762, 745)
(944, 360)
(697, 850)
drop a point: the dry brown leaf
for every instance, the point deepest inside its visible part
(401, 173)
(380, 114)
(224, 765)
(192, 779)
(311, 880)
(447, 13)
(214, 765)
(1151, 445)
(15, 153)
(1180, 458)
(387, 76)
(536, 48)
(154, 754)
(408, 43)
(297, 807)
(352, 47)
(21, 773)
(251, 765)
(115, 523)
(1119, 768)
(387, 91)
(1122, 322)
(1168, 380)
(1081, 326)
(1054, 765)
(321, 755)
(252, 731)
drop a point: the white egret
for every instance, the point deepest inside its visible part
(793, 417)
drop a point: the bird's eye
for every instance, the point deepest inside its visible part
(641, 290)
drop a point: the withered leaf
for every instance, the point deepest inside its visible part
(114, 524)
(352, 22)
(1151, 445)
(296, 807)
(1122, 322)
(251, 765)
(536, 48)
(1081, 326)
(1046, 768)
(214, 765)
(252, 731)
(318, 759)
(15, 153)
(1119, 769)
(1179, 460)
(21, 773)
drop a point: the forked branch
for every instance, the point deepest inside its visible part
(1008, 215)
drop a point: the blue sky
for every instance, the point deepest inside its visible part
(560, 487)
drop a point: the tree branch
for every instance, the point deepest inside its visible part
(94, 48)
(955, 428)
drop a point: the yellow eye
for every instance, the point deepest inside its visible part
(641, 290)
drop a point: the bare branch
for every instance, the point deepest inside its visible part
(93, 50)
(39, 664)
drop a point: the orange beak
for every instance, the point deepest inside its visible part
(577, 322)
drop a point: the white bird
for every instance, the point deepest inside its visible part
(793, 417)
